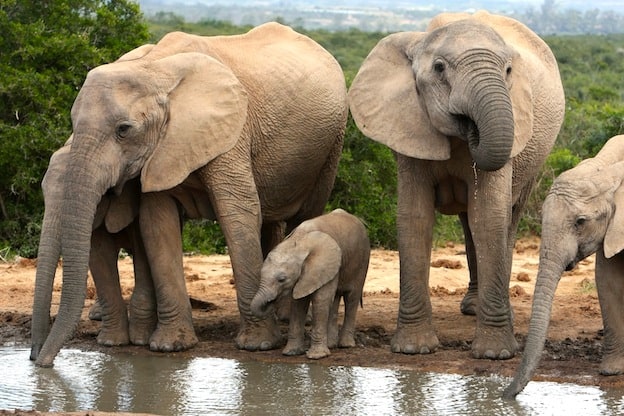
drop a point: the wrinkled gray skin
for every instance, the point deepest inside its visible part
(471, 108)
(115, 227)
(583, 214)
(252, 122)
(324, 260)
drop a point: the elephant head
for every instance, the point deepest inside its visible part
(459, 79)
(582, 214)
(303, 263)
(155, 114)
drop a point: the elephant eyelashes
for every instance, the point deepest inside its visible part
(580, 221)
(123, 130)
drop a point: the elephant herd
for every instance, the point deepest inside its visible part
(248, 130)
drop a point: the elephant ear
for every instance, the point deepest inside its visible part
(385, 105)
(614, 237)
(321, 266)
(123, 208)
(522, 102)
(207, 112)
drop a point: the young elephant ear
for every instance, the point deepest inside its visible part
(207, 112)
(614, 237)
(123, 208)
(321, 266)
(384, 102)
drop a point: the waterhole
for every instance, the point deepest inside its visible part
(169, 385)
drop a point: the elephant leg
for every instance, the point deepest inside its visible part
(332, 323)
(296, 327)
(103, 264)
(415, 218)
(322, 305)
(610, 286)
(347, 332)
(236, 203)
(160, 229)
(470, 301)
(143, 308)
(490, 220)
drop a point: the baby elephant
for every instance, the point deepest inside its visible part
(323, 260)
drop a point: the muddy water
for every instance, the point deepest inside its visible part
(168, 385)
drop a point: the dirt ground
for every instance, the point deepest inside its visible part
(573, 350)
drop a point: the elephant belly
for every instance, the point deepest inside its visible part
(451, 196)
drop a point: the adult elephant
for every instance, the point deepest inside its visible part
(471, 107)
(583, 214)
(258, 119)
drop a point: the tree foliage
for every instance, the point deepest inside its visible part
(46, 49)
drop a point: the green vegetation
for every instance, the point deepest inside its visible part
(45, 53)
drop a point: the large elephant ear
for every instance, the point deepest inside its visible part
(522, 100)
(123, 208)
(385, 105)
(614, 237)
(207, 112)
(321, 266)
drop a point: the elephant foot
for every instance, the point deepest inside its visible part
(294, 347)
(612, 365)
(95, 313)
(168, 338)
(412, 339)
(258, 335)
(141, 330)
(494, 343)
(469, 303)
(317, 351)
(143, 322)
(112, 337)
(347, 340)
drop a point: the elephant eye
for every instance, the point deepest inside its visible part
(509, 70)
(122, 130)
(281, 278)
(439, 67)
(580, 221)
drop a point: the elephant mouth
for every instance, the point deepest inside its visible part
(468, 129)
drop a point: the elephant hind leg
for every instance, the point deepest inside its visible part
(469, 303)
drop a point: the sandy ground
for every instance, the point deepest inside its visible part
(573, 350)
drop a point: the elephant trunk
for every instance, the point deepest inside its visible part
(548, 277)
(263, 302)
(47, 261)
(486, 101)
(83, 189)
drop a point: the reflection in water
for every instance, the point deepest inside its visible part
(168, 385)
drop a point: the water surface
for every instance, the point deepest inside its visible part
(169, 385)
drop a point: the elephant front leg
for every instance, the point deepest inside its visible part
(415, 218)
(296, 327)
(493, 231)
(160, 230)
(103, 264)
(610, 286)
(322, 306)
(230, 183)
